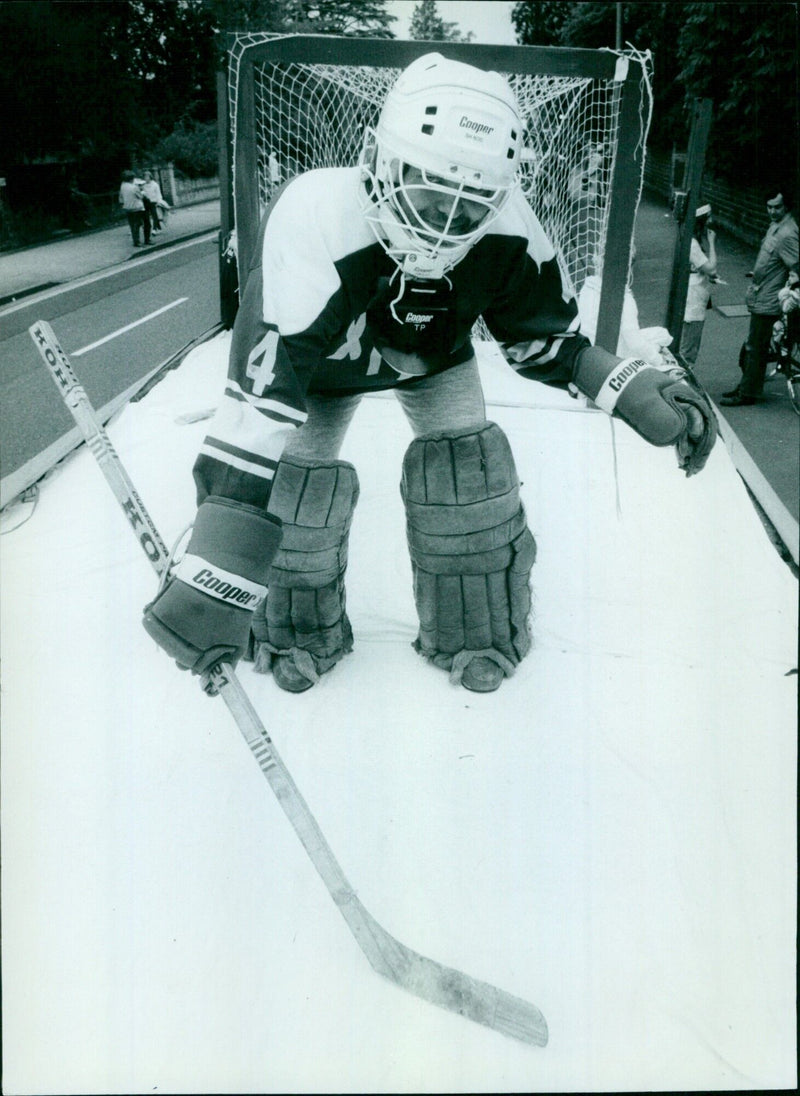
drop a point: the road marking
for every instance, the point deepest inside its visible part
(128, 327)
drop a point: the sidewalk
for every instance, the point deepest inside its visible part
(64, 260)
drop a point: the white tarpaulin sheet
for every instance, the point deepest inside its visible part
(611, 835)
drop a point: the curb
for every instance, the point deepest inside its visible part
(786, 529)
(18, 481)
(162, 245)
(67, 296)
(110, 226)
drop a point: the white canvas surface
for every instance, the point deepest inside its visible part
(611, 835)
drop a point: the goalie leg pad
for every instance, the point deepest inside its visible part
(471, 549)
(303, 615)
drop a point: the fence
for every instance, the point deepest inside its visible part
(739, 210)
(81, 212)
(176, 188)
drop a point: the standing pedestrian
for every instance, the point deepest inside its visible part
(777, 258)
(371, 277)
(132, 201)
(702, 273)
(153, 200)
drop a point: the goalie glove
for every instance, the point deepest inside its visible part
(202, 615)
(664, 406)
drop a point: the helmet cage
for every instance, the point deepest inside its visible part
(395, 208)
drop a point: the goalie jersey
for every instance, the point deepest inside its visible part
(323, 302)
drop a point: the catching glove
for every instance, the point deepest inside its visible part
(664, 406)
(202, 616)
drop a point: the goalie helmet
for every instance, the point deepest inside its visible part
(441, 162)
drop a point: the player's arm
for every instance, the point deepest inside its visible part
(204, 612)
(665, 407)
(262, 405)
(534, 321)
(280, 337)
(537, 324)
(788, 245)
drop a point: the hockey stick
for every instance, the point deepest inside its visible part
(451, 989)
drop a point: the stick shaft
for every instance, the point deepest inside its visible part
(77, 401)
(224, 679)
(450, 989)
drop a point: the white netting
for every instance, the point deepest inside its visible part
(313, 115)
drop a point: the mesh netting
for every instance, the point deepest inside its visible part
(313, 115)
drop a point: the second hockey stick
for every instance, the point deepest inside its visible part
(443, 986)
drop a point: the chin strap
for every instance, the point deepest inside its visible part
(399, 296)
(404, 274)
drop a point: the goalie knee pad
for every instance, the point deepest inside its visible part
(303, 615)
(471, 549)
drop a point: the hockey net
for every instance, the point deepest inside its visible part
(309, 115)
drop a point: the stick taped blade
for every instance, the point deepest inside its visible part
(478, 1001)
(441, 985)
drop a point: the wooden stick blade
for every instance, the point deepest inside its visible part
(450, 989)
(478, 1001)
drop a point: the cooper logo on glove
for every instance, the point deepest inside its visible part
(196, 572)
(617, 380)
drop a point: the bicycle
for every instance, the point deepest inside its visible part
(784, 344)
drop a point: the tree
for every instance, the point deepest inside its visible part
(359, 18)
(81, 80)
(246, 15)
(745, 60)
(91, 88)
(428, 25)
(539, 22)
(742, 56)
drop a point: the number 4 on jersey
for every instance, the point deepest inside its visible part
(261, 362)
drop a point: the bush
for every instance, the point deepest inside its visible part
(192, 148)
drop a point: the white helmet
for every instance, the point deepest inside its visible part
(441, 163)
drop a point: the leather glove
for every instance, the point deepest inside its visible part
(664, 406)
(202, 615)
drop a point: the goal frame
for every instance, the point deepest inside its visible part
(240, 210)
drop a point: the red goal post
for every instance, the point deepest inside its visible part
(290, 103)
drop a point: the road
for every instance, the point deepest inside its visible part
(117, 330)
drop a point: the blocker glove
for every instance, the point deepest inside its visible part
(664, 406)
(202, 615)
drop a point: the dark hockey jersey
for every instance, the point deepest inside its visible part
(317, 308)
